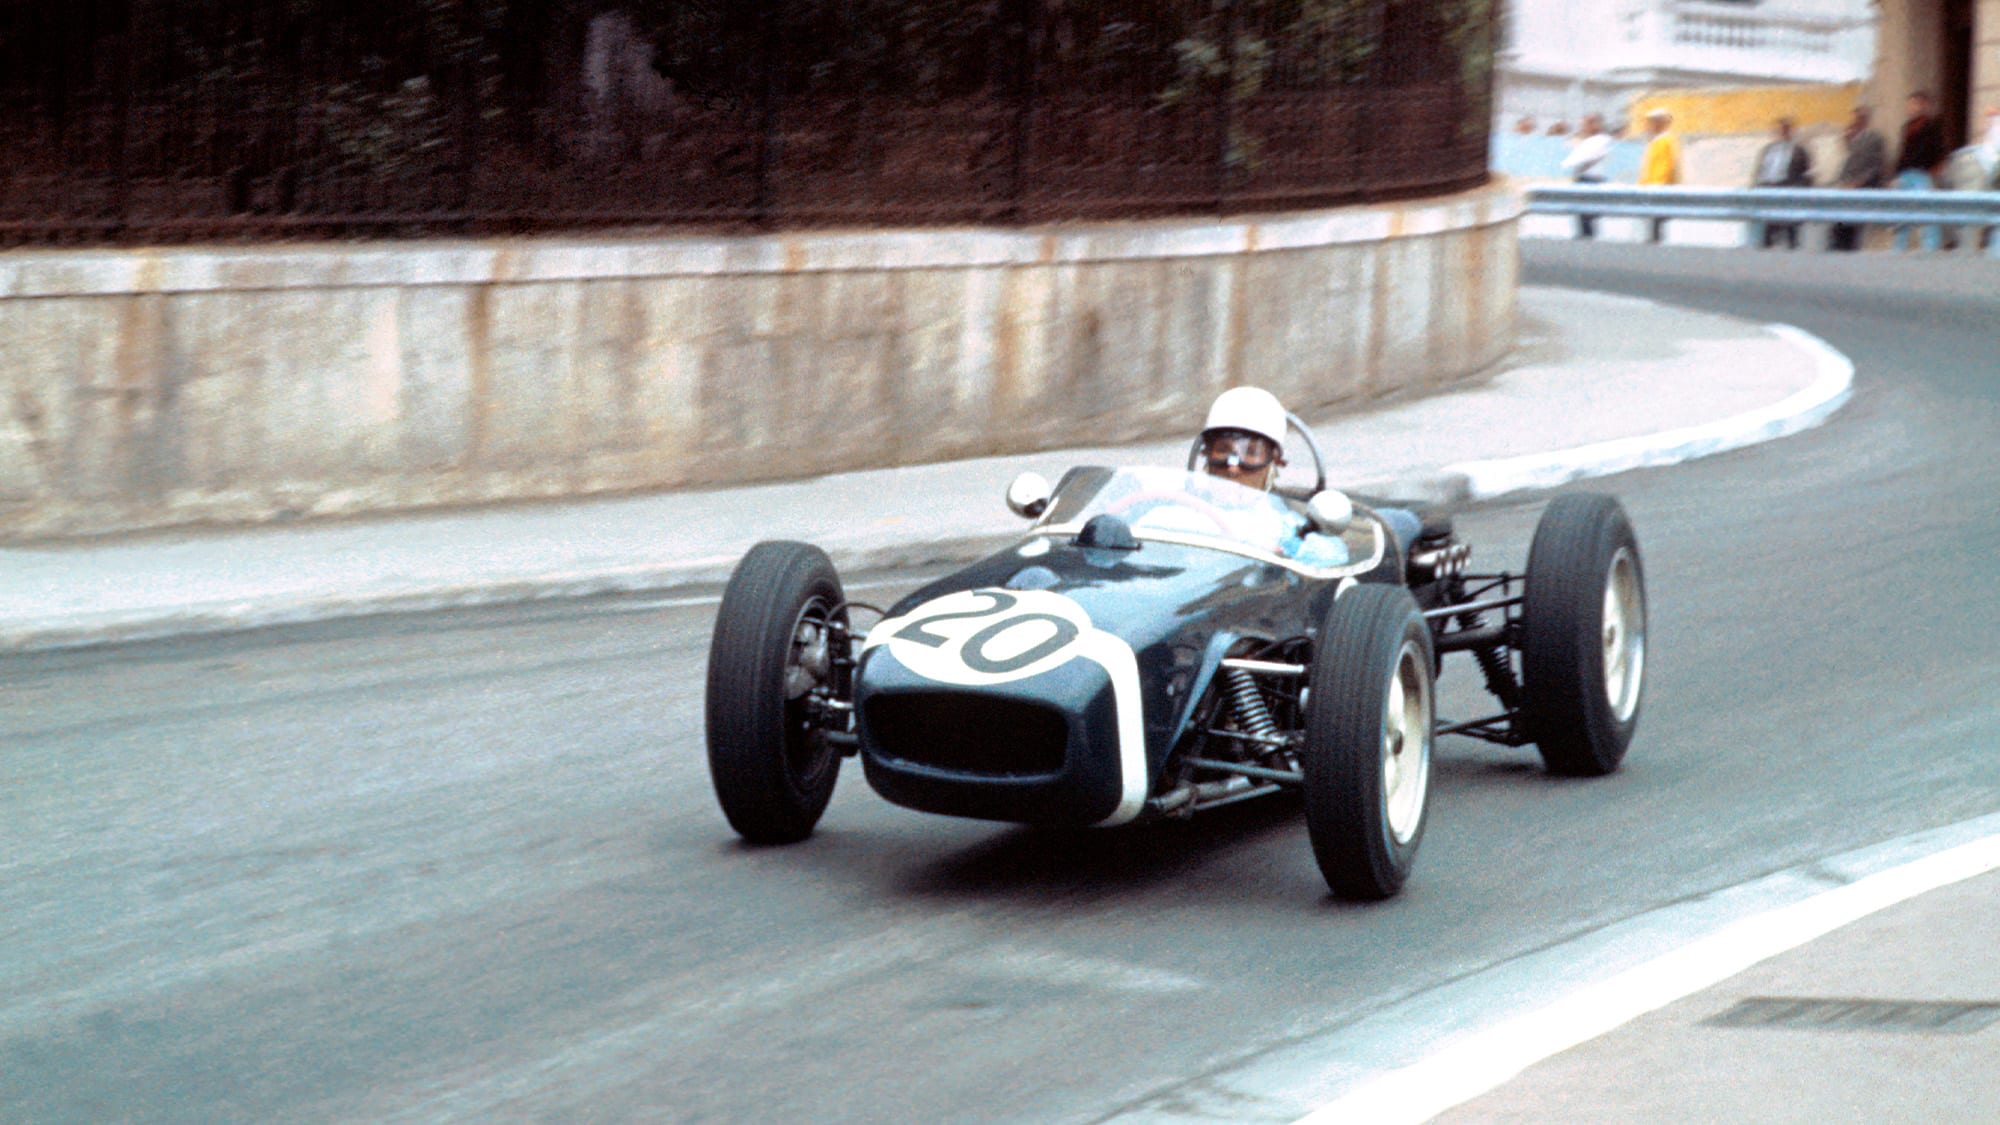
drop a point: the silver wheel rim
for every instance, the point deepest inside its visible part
(1406, 744)
(1624, 635)
(807, 668)
(807, 661)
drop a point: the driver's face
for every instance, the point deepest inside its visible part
(1246, 459)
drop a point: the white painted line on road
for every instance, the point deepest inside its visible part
(1482, 1061)
(1832, 383)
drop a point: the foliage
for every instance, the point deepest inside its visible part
(296, 104)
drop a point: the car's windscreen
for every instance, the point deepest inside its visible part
(1194, 507)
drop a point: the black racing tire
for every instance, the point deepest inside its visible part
(1366, 788)
(773, 773)
(1583, 635)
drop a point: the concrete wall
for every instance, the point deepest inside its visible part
(149, 388)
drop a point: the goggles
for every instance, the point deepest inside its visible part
(1238, 452)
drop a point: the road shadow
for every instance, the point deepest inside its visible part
(1041, 864)
(1255, 852)
(1479, 766)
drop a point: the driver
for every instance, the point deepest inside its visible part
(1243, 442)
(1244, 438)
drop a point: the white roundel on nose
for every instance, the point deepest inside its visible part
(977, 637)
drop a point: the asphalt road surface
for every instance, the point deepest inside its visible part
(467, 867)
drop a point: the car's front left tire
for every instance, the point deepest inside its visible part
(771, 763)
(1371, 720)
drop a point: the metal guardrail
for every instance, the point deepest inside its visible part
(1770, 205)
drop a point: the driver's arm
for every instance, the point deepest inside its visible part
(1304, 545)
(1320, 550)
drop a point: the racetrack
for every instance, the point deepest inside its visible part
(467, 866)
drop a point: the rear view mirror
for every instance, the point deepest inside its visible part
(1028, 496)
(1330, 511)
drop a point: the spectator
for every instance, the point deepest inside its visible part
(1866, 166)
(1918, 162)
(1559, 129)
(1660, 165)
(1525, 126)
(1585, 164)
(1783, 163)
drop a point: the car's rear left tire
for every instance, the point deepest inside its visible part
(1371, 720)
(1583, 635)
(771, 764)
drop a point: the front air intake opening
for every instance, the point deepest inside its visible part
(968, 733)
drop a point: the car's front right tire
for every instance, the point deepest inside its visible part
(772, 766)
(1371, 719)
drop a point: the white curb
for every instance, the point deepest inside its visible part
(1445, 1045)
(1800, 411)
(1487, 1059)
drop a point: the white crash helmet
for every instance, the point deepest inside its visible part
(1251, 409)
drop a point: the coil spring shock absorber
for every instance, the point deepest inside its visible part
(1248, 703)
(1493, 666)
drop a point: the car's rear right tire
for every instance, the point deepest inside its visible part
(1371, 720)
(1583, 635)
(772, 766)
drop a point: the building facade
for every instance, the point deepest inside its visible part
(1950, 48)
(1561, 59)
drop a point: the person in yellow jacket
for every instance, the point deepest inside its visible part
(1661, 164)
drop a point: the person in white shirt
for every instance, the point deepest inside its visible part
(1585, 164)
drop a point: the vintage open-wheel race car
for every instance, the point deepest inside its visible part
(1161, 642)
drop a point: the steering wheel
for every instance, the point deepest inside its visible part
(1201, 507)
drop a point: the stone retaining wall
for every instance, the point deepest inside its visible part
(157, 387)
